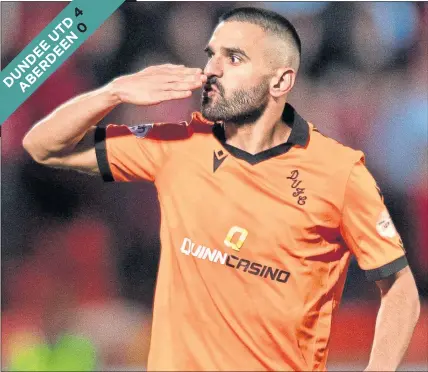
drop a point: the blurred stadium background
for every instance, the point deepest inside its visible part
(79, 257)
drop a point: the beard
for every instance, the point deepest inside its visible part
(244, 106)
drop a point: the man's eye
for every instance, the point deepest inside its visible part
(234, 59)
(209, 53)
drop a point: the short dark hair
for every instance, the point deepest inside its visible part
(269, 21)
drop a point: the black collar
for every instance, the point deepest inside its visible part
(299, 136)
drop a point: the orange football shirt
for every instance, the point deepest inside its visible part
(255, 248)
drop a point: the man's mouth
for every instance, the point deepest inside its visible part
(208, 88)
(208, 93)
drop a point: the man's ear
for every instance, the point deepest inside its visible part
(282, 82)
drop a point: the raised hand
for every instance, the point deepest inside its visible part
(156, 84)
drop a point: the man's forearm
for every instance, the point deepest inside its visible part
(64, 128)
(397, 317)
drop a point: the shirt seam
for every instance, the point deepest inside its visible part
(319, 321)
(343, 206)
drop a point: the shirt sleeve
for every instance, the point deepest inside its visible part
(367, 227)
(128, 154)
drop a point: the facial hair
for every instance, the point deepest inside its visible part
(244, 106)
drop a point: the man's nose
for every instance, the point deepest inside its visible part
(213, 68)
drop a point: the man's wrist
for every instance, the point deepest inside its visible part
(113, 93)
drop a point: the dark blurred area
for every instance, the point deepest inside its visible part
(70, 238)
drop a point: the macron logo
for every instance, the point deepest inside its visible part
(219, 157)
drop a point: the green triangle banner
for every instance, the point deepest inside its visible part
(21, 77)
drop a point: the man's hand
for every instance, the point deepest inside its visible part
(156, 84)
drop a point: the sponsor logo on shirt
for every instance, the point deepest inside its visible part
(201, 252)
(384, 226)
(141, 130)
(241, 235)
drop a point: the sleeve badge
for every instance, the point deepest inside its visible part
(141, 130)
(384, 226)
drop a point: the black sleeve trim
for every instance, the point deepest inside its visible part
(386, 270)
(101, 152)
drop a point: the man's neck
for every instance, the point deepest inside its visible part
(266, 132)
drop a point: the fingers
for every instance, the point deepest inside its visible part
(171, 65)
(187, 71)
(177, 78)
(169, 73)
(160, 69)
(169, 69)
(172, 94)
(181, 82)
(180, 75)
(182, 85)
(166, 82)
(180, 69)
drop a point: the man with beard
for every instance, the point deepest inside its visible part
(260, 212)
